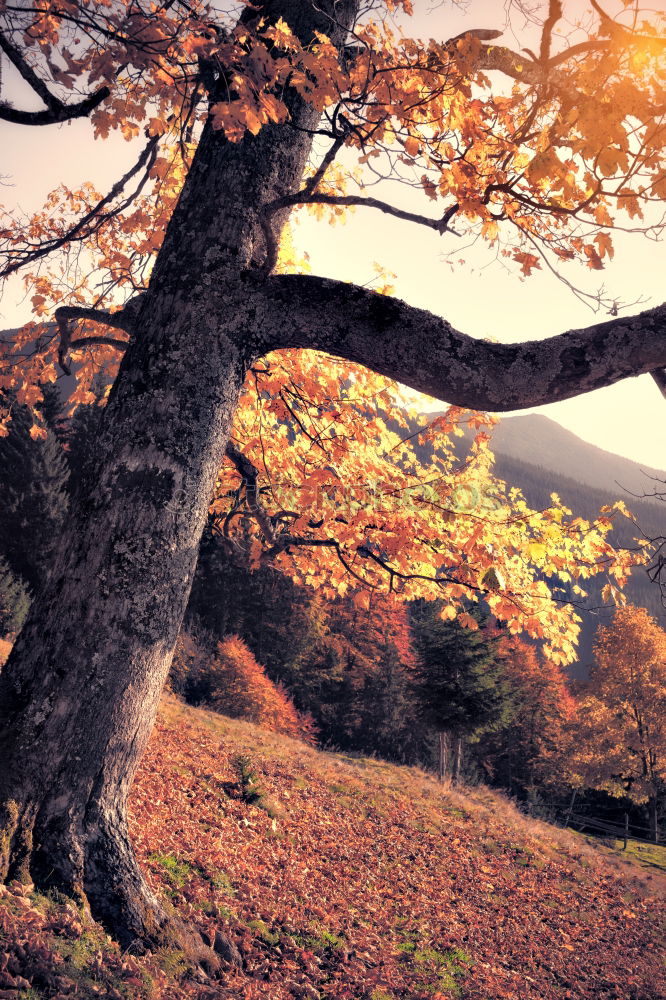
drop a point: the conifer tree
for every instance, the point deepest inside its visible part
(458, 679)
(14, 600)
(80, 438)
(389, 723)
(531, 749)
(33, 499)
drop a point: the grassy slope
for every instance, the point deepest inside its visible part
(368, 882)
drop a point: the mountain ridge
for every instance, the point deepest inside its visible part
(575, 457)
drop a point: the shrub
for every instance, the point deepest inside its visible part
(228, 679)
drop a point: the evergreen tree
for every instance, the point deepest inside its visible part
(33, 499)
(458, 681)
(530, 752)
(389, 718)
(52, 409)
(346, 664)
(14, 600)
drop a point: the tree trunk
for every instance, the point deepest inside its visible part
(457, 760)
(443, 743)
(80, 691)
(654, 818)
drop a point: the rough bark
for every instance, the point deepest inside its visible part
(79, 693)
(443, 743)
(653, 814)
(80, 690)
(457, 761)
(425, 352)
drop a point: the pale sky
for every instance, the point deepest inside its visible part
(479, 298)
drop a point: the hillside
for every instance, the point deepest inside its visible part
(537, 455)
(541, 441)
(367, 882)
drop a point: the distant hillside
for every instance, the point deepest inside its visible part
(537, 439)
(537, 455)
(537, 483)
(541, 457)
(366, 882)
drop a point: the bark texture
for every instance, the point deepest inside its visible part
(79, 694)
(425, 352)
(80, 690)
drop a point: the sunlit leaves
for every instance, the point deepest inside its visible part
(354, 502)
(619, 735)
(535, 159)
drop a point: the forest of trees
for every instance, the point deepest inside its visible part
(249, 401)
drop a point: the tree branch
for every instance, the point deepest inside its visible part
(249, 475)
(659, 375)
(56, 110)
(93, 219)
(440, 225)
(554, 14)
(425, 352)
(124, 319)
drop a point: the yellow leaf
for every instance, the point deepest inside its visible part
(536, 551)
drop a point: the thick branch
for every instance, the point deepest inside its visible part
(425, 352)
(56, 110)
(122, 320)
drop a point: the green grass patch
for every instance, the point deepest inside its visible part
(171, 961)
(219, 880)
(647, 855)
(262, 930)
(319, 941)
(437, 970)
(82, 963)
(177, 873)
(251, 790)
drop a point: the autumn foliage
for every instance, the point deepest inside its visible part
(619, 740)
(542, 166)
(228, 679)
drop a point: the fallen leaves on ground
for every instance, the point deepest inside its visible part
(365, 881)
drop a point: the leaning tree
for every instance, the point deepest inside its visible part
(248, 114)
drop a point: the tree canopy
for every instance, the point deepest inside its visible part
(619, 740)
